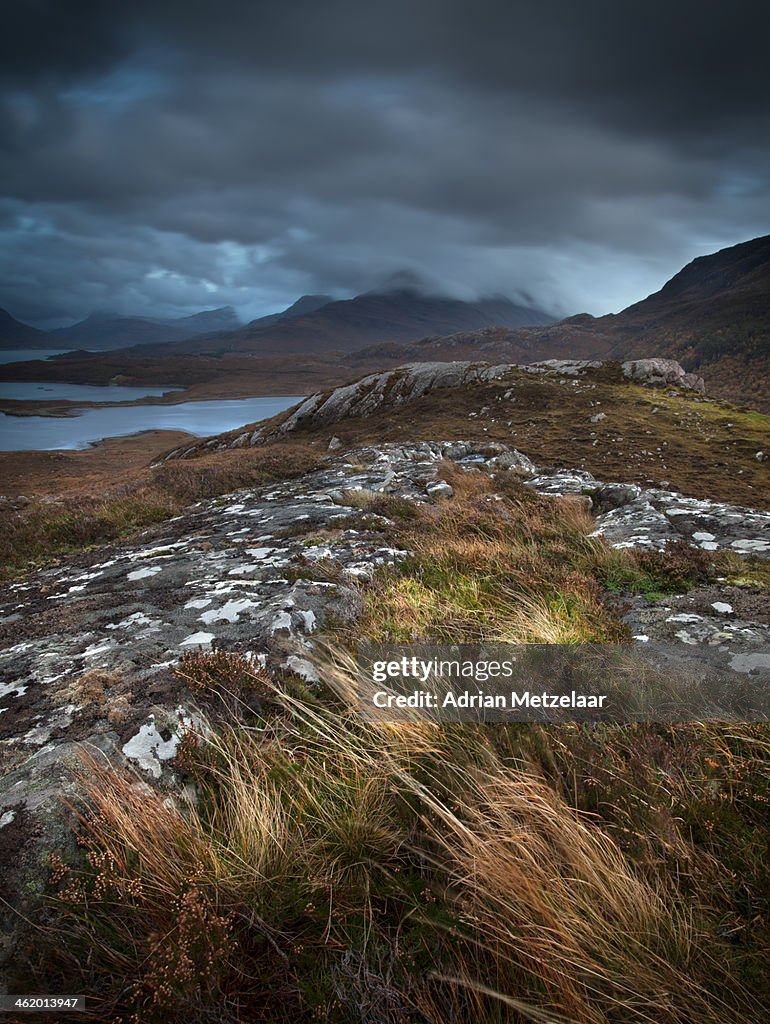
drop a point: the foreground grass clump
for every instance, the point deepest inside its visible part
(46, 530)
(336, 870)
(498, 562)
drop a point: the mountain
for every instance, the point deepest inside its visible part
(102, 330)
(346, 325)
(305, 304)
(15, 334)
(222, 319)
(713, 317)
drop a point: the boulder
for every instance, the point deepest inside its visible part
(439, 489)
(662, 373)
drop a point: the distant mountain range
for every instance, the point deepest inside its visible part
(314, 326)
(102, 331)
(713, 317)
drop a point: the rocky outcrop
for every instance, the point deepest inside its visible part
(384, 391)
(662, 373)
(407, 383)
(395, 388)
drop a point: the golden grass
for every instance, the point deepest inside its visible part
(496, 562)
(332, 868)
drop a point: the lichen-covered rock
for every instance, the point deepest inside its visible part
(385, 390)
(565, 367)
(394, 388)
(612, 496)
(513, 460)
(662, 373)
(440, 489)
(655, 517)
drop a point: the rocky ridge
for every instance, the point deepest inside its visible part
(394, 388)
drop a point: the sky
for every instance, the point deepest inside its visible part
(158, 158)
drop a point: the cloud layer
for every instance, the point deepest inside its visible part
(243, 153)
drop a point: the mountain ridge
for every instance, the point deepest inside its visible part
(103, 331)
(344, 324)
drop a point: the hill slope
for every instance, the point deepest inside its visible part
(15, 334)
(609, 419)
(305, 304)
(713, 317)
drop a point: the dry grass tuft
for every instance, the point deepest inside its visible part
(497, 563)
(331, 867)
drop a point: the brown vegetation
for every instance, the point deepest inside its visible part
(329, 868)
(343, 871)
(43, 530)
(700, 447)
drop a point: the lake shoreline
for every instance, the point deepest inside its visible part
(66, 408)
(74, 431)
(177, 394)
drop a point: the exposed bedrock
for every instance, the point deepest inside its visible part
(393, 388)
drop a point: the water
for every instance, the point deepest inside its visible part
(76, 392)
(21, 355)
(27, 433)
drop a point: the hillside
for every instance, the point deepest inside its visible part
(638, 423)
(305, 304)
(713, 317)
(15, 334)
(203, 818)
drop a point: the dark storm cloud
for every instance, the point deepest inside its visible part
(162, 158)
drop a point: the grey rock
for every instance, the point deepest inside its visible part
(656, 517)
(565, 367)
(612, 496)
(440, 489)
(384, 390)
(564, 481)
(662, 373)
(513, 460)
